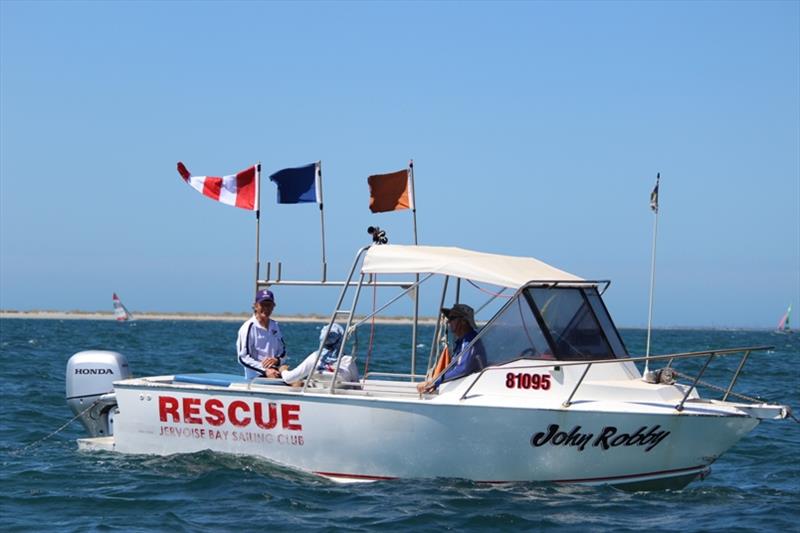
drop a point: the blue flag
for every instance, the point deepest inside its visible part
(299, 185)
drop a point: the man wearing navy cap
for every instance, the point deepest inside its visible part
(260, 345)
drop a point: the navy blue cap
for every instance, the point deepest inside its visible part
(265, 295)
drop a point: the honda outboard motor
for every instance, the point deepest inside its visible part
(90, 378)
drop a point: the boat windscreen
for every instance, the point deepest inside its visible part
(514, 334)
(575, 331)
(573, 325)
(612, 334)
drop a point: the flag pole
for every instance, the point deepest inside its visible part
(321, 219)
(413, 198)
(258, 221)
(654, 207)
(416, 289)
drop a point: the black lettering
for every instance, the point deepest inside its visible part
(559, 438)
(93, 371)
(650, 435)
(573, 436)
(619, 440)
(657, 441)
(636, 437)
(541, 438)
(602, 439)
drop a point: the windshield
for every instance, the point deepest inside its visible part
(572, 324)
(574, 329)
(514, 334)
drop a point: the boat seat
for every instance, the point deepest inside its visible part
(222, 380)
(211, 378)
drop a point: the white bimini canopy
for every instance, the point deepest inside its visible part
(501, 270)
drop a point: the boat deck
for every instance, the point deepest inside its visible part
(633, 396)
(235, 382)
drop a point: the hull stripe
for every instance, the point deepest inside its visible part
(629, 476)
(582, 480)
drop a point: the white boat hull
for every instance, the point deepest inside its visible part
(356, 437)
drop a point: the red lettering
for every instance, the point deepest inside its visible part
(259, 415)
(528, 381)
(168, 405)
(216, 417)
(191, 411)
(233, 407)
(290, 413)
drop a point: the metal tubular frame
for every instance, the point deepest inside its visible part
(437, 329)
(345, 285)
(736, 375)
(305, 283)
(335, 313)
(679, 407)
(568, 402)
(344, 337)
(393, 300)
(670, 357)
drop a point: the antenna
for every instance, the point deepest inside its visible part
(654, 207)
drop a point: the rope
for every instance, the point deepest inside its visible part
(720, 389)
(70, 421)
(495, 294)
(742, 396)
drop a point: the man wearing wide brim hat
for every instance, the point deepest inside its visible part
(260, 345)
(461, 322)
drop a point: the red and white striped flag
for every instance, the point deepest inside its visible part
(238, 190)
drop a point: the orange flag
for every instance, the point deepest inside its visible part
(390, 192)
(441, 364)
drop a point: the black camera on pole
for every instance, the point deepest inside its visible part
(378, 235)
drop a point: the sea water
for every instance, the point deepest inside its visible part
(49, 485)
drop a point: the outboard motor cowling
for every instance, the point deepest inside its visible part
(90, 382)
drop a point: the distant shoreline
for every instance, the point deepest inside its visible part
(318, 319)
(222, 317)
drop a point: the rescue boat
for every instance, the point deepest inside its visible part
(559, 399)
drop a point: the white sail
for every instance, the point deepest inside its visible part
(121, 313)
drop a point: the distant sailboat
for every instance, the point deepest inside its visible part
(120, 312)
(783, 325)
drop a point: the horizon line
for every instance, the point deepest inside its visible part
(229, 316)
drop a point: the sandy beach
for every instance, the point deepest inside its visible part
(226, 317)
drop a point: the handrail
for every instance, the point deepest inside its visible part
(670, 357)
(313, 283)
(342, 293)
(736, 375)
(679, 407)
(575, 388)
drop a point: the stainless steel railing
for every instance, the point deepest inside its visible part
(711, 355)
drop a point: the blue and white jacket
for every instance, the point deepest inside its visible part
(256, 343)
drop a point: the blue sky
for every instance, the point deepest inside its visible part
(537, 129)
